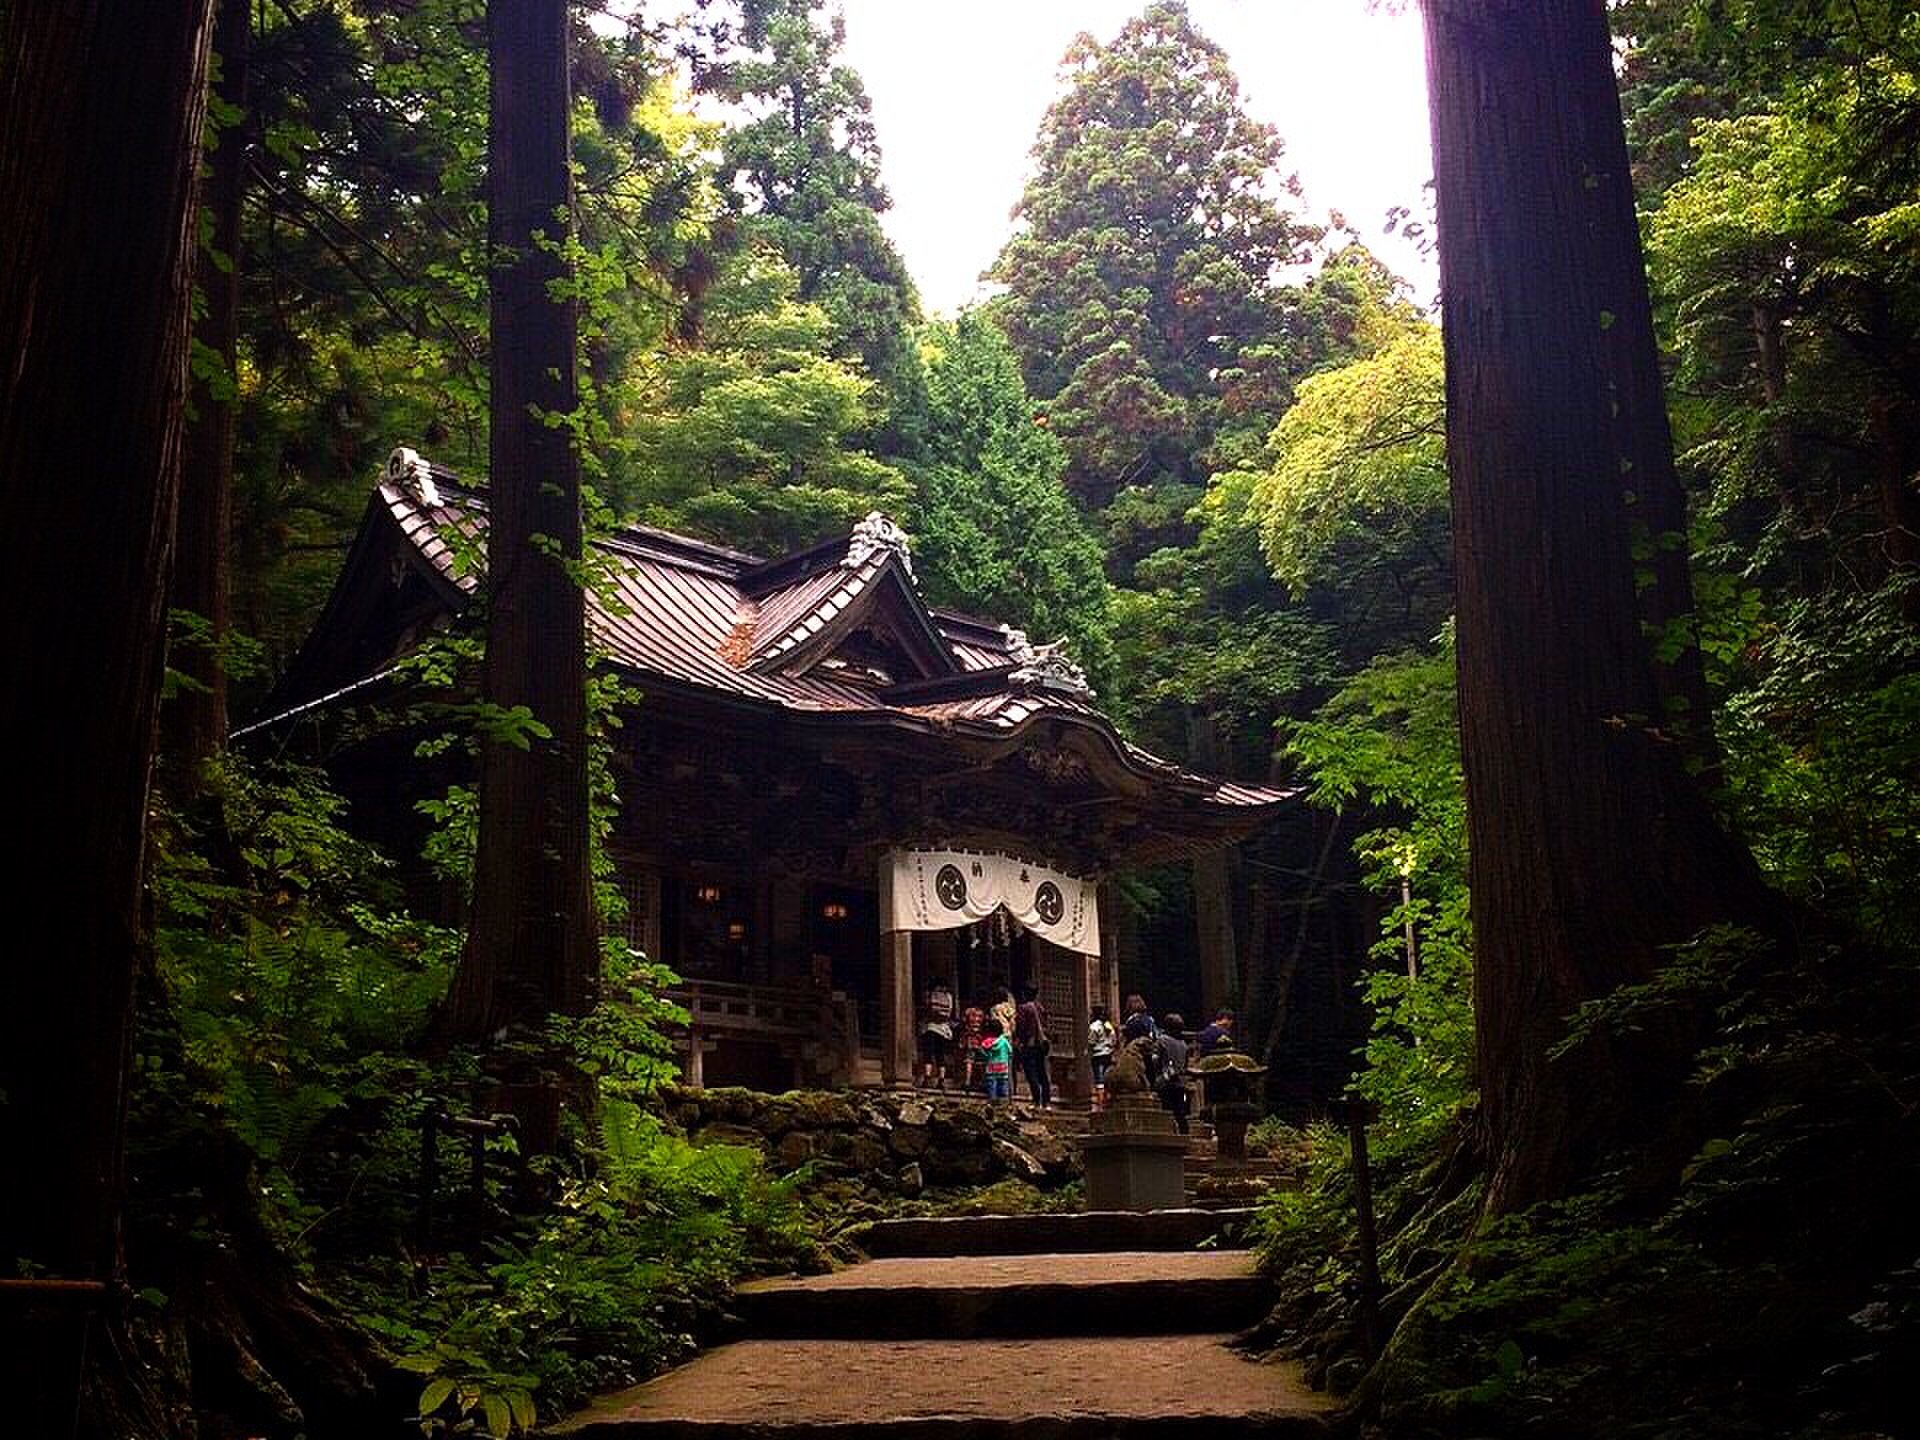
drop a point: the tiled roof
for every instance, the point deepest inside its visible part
(706, 616)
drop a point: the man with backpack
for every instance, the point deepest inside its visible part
(1171, 1086)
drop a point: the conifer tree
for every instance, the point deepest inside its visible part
(1147, 263)
(1592, 848)
(807, 172)
(102, 108)
(531, 949)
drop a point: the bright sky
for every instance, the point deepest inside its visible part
(959, 87)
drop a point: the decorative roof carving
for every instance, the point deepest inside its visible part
(1048, 667)
(407, 467)
(873, 536)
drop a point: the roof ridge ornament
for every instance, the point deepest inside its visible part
(877, 535)
(407, 466)
(1046, 667)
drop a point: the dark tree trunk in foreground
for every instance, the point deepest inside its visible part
(101, 107)
(1592, 848)
(196, 715)
(532, 946)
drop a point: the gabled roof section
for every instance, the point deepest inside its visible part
(804, 607)
(798, 634)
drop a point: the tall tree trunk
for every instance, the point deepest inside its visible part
(1213, 876)
(1592, 849)
(196, 717)
(101, 107)
(531, 950)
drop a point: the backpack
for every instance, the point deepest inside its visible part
(1162, 1078)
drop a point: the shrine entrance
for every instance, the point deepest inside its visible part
(983, 920)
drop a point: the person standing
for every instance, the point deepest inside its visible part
(1137, 1006)
(973, 1035)
(936, 1034)
(1006, 1012)
(1219, 1035)
(998, 1055)
(1101, 1039)
(1173, 1073)
(1032, 1046)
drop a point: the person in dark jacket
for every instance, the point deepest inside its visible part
(1173, 1076)
(1031, 1047)
(1218, 1035)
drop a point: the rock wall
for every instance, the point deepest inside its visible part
(901, 1143)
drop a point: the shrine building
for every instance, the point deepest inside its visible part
(831, 793)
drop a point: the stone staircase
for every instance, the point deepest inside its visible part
(999, 1327)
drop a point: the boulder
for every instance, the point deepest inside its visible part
(722, 1132)
(796, 1148)
(964, 1123)
(807, 1110)
(961, 1167)
(1018, 1163)
(910, 1180)
(910, 1140)
(1052, 1152)
(915, 1112)
(730, 1102)
(867, 1152)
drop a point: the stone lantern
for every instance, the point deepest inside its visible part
(1231, 1080)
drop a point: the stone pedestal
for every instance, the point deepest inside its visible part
(1135, 1159)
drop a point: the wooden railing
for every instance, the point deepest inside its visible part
(826, 1022)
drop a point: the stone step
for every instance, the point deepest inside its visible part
(1080, 1232)
(987, 1297)
(1252, 1164)
(1160, 1387)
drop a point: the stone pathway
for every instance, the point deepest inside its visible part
(1016, 1345)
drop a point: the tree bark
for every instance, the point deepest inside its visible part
(196, 716)
(1592, 849)
(532, 947)
(101, 106)
(1213, 876)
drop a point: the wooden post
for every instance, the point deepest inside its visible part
(896, 1007)
(1109, 950)
(1084, 973)
(1359, 1112)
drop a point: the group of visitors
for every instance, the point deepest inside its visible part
(1163, 1050)
(992, 1043)
(988, 1043)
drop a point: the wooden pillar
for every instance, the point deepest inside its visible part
(1110, 950)
(896, 1007)
(1083, 974)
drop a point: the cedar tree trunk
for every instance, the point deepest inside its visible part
(1592, 848)
(532, 947)
(101, 106)
(196, 715)
(1213, 883)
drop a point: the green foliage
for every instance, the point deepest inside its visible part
(1822, 747)
(995, 530)
(753, 438)
(295, 980)
(1145, 267)
(804, 168)
(1359, 474)
(1389, 740)
(612, 1281)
